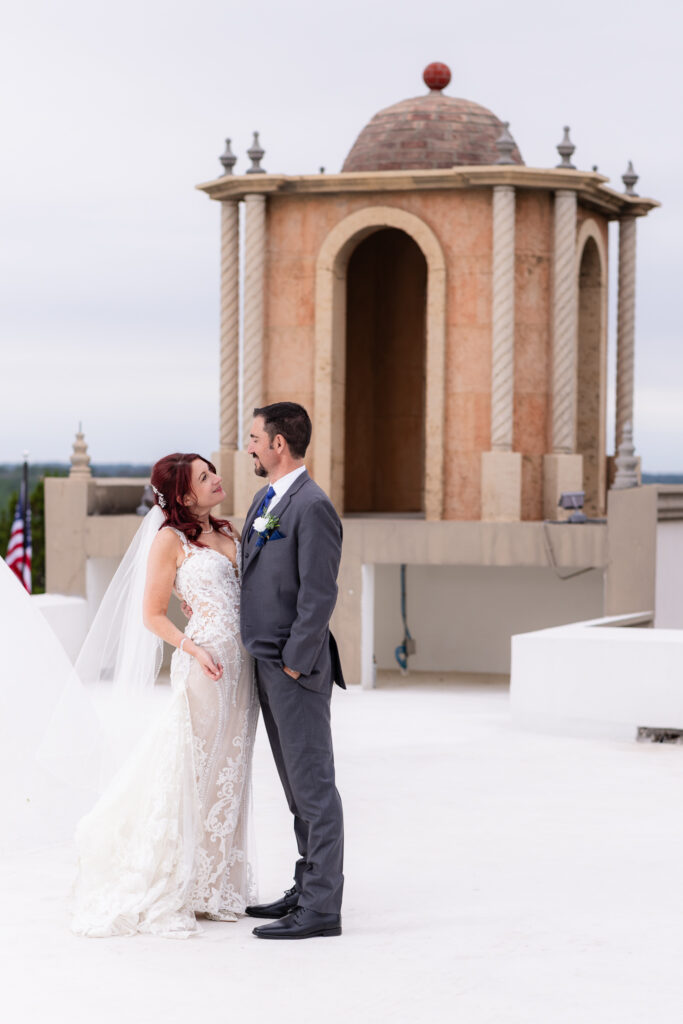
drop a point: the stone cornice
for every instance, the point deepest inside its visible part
(590, 186)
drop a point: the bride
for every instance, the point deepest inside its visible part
(168, 838)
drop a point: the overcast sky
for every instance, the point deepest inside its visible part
(112, 112)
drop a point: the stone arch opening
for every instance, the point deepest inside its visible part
(386, 298)
(329, 413)
(590, 425)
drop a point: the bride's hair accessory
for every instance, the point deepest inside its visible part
(162, 499)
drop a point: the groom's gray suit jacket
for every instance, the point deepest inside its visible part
(289, 585)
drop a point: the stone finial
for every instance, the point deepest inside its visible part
(80, 460)
(505, 145)
(565, 149)
(630, 179)
(256, 154)
(626, 462)
(228, 158)
(436, 76)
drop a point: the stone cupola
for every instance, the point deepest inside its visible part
(429, 132)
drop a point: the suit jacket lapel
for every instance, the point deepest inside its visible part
(278, 511)
(251, 516)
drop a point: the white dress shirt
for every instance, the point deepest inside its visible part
(282, 485)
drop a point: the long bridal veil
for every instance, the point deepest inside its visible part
(36, 807)
(63, 729)
(118, 649)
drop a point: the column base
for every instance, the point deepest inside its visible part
(501, 487)
(560, 473)
(245, 484)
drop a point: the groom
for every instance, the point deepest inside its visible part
(291, 547)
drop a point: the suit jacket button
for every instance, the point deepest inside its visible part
(246, 554)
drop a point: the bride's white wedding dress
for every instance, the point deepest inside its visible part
(168, 839)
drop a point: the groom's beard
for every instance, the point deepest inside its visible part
(258, 468)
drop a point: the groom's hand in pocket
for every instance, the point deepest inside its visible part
(291, 672)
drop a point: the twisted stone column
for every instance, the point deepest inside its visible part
(564, 324)
(503, 316)
(626, 326)
(229, 367)
(563, 469)
(501, 468)
(254, 265)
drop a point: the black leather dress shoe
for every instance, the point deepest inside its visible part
(278, 908)
(301, 924)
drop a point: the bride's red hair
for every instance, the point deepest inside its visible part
(172, 478)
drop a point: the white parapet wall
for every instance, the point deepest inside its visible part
(604, 677)
(68, 617)
(463, 616)
(668, 589)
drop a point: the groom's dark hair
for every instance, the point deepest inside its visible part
(290, 420)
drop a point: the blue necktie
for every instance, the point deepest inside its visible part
(264, 505)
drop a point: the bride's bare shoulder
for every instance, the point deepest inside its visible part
(167, 543)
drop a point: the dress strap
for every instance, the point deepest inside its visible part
(183, 539)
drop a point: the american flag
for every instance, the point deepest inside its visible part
(19, 550)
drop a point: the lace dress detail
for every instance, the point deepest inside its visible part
(169, 838)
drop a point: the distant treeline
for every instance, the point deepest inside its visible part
(663, 478)
(10, 473)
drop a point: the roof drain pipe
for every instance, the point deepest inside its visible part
(404, 650)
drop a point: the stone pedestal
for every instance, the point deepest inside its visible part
(501, 487)
(560, 473)
(245, 484)
(66, 511)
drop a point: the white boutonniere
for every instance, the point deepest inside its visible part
(266, 526)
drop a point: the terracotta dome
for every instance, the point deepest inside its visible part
(426, 133)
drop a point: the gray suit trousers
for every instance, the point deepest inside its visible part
(297, 720)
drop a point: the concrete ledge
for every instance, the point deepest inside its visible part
(590, 186)
(416, 542)
(607, 681)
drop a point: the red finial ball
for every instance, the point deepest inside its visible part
(436, 75)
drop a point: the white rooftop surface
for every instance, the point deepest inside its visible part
(493, 876)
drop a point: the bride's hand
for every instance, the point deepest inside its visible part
(211, 669)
